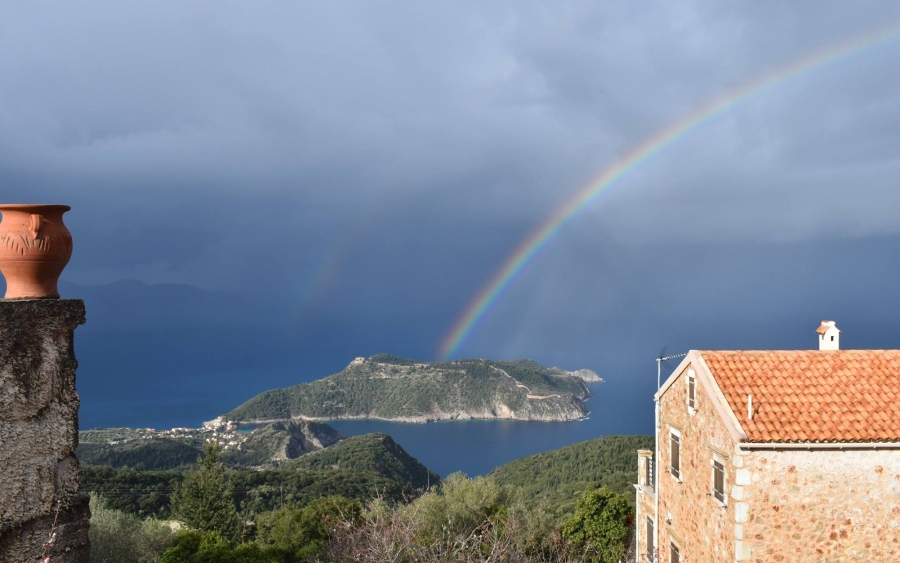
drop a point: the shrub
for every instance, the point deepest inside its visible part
(303, 532)
(192, 546)
(118, 537)
(460, 505)
(600, 525)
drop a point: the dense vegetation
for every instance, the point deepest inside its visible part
(359, 468)
(118, 537)
(335, 509)
(265, 446)
(144, 455)
(370, 452)
(389, 387)
(559, 477)
(279, 441)
(463, 520)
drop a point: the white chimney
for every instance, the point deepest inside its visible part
(829, 336)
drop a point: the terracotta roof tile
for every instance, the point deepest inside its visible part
(812, 396)
(823, 328)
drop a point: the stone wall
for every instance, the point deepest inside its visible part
(821, 505)
(784, 506)
(690, 517)
(39, 433)
(645, 504)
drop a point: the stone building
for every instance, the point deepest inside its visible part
(775, 456)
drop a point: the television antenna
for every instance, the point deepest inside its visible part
(659, 362)
(663, 358)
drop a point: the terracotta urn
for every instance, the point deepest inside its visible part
(35, 246)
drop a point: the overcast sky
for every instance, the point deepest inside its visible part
(371, 164)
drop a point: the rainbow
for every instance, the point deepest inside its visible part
(540, 238)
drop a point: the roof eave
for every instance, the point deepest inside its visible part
(706, 378)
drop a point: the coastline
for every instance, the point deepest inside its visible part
(424, 419)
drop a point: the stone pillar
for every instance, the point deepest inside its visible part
(39, 433)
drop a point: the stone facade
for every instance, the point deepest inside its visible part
(820, 505)
(781, 503)
(39, 433)
(645, 506)
(697, 524)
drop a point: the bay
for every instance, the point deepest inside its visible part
(621, 405)
(477, 446)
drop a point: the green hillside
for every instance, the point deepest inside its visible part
(273, 443)
(362, 467)
(149, 450)
(145, 455)
(377, 453)
(394, 388)
(148, 493)
(560, 476)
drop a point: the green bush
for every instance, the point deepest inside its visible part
(600, 525)
(118, 537)
(192, 546)
(460, 505)
(302, 533)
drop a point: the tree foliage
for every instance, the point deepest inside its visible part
(559, 476)
(302, 532)
(205, 501)
(360, 467)
(118, 537)
(600, 525)
(461, 504)
(150, 455)
(192, 546)
(370, 452)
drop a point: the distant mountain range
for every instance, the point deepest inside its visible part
(393, 388)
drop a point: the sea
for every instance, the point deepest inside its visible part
(473, 447)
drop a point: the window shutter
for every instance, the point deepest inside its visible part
(692, 392)
(719, 481)
(674, 554)
(675, 450)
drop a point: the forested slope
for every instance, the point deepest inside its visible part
(560, 476)
(362, 467)
(394, 388)
(377, 453)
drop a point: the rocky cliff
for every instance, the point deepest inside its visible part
(281, 441)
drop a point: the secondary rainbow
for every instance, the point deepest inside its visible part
(538, 240)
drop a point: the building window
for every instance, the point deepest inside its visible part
(650, 548)
(718, 489)
(648, 472)
(674, 554)
(675, 454)
(692, 391)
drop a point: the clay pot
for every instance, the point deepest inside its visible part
(35, 246)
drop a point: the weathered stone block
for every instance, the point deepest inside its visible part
(39, 432)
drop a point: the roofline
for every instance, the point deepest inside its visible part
(819, 445)
(705, 376)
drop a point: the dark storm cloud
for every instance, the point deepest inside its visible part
(409, 147)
